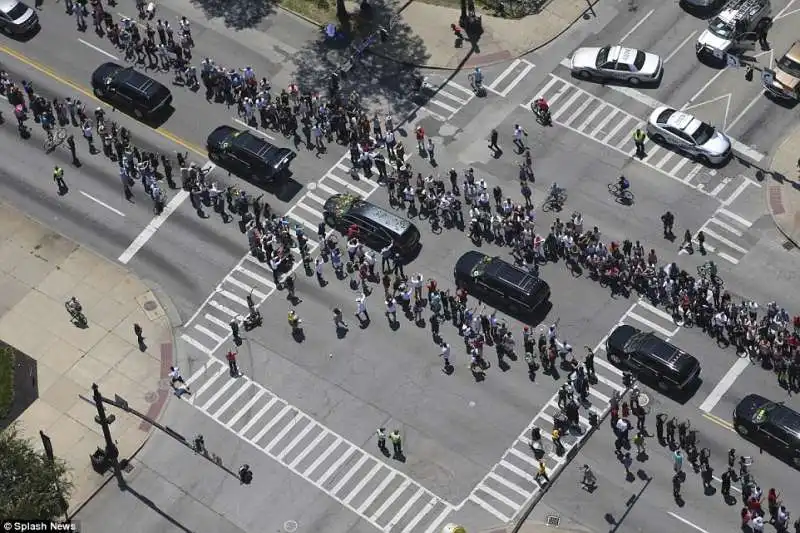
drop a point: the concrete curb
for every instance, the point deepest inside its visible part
(302, 17)
(788, 138)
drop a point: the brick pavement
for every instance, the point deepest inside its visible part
(39, 270)
(783, 191)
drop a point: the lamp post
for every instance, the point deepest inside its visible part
(112, 453)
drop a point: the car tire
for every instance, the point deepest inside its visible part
(741, 430)
(584, 74)
(634, 81)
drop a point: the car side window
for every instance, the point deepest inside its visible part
(623, 67)
(608, 65)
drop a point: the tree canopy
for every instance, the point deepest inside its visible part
(31, 486)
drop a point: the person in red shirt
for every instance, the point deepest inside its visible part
(234, 368)
(420, 131)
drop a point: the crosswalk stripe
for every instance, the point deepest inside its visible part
(391, 499)
(604, 122)
(217, 395)
(682, 161)
(605, 364)
(311, 445)
(592, 115)
(405, 508)
(741, 220)
(503, 481)
(252, 422)
(350, 473)
(562, 108)
(241, 412)
(202, 370)
(362, 193)
(224, 407)
(726, 227)
(543, 91)
(269, 425)
(723, 240)
(232, 297)
(655, 310)
(285, 431)
(196, 344)
(450, 96)
(204, 387)
(216, 305)
(375, 493)
(518, 471)
(599, 395)
(419, 516)
(652, 325)
(336, 464)
(499, 79)
(208, 333)
(474, 498)
(316, 198)
(581, 109)
(434, 526)
(692, 173)
(664, 159)
(466, 90)
(607, 382)
(296, 440)
(651, 153)
(523, 456)
(500, 497)
(262, 280)
(301, 220)
(327, 189)
(616, 128)
(245, 287)
(221, 323)
(305, 207)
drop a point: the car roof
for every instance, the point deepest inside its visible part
(621, 54)
(508, 273)
(254, 144)
(683, 121)
(8, 5)
(380, 215)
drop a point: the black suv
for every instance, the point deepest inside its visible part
(247, 155)
(376, 226)
(500, 283)
(770, 425)
(130, 90)
(652, 359)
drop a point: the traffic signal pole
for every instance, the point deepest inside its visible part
(112, 452)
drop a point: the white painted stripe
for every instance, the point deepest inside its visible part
(342, 166)
(214, 320)
(245, 287)
(204, 387)
(518, 471)
(98, 49)
(726, 227)
(746, 151)
(311, 445)
(635, 95)
(301, 220)
(528, 459)
(441, 104)
(405, 508)
(509, 69)
(228, 311)
(741, 220)
(377, 492)
(352, 472)
(202, 371)
(503, 481)
(297, 438)
(698, 528)
(152, 227)
(273, 421)
(474, 498)
(285, 430)
(217, 395)
(724, 384)
(605, 381)
(599, 109)
(692, 173)
(102, 203)
(599, 395)
(254, 130)
(603, 123)
(729, 258)
(636, 26)
(664, 160)
(598, 361)
(262, 280)
(433, 114)
(465, 90)
(718, 189)
(655, 310)
(252, 422)
(391, 499)
(225, 406)
(516, 80)
(305, 207)
(452, 97)
(739, 190)
(616, 129)
(419, 516)
(652, 325)
(543, 91)
(209, 333)
(350, 186)
(500, 497)
(434, 526)
(562, 108)
(677, 48)
(336, 464)
(241, 412)
(327, 189)
(196, 344)
(681, 161)
(723, 240)
(580, 110)
(232, 297)
(310, 195)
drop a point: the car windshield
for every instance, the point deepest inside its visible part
(762, 413)
(639, 61)
(480, 267)
(635, 342)
(602, 55)
(720, 28)
(703, 134)
(17, 11)
(789, 66)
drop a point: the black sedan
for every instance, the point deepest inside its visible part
(771, 425)
(651, 359)
(130, 90)
(247, 155)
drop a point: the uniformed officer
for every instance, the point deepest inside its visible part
(638, 138)
(58, 177)
(394, 436)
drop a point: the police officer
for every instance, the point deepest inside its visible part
(72, 151)
(58, 177)
(394, 436)
(668, 220)
(638, 138)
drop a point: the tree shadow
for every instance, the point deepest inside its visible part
(237, 14)
(380, 82)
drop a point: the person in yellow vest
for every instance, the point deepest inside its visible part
(556, 436)
(397, 443)
(638, 138)
(542, 472)
(58, 177)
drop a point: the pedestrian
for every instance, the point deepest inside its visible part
(493, 137)
(558, 446)
(677, 461)
(638, 440)
(701, 240)
(660, 418)
(519, 135)
(338, 319)
(627, 461)
(361, 309)
(445, 355)
(641, 415)
(58, 177)
(397, 266)
(72, 150)
(319, 265)
(175, 376)
(671, 425)
(726, 484)
(687, 242)
(232, 365)
(386, 255)
(137, 330)
(420, 134)
(541, 472)
(89, 136)
(762, 29)
(638, 139)
(430, 152)
(668, 219)
(397, 443)
(707, 475)
(391, 310)
(235, 332)
(381, 434)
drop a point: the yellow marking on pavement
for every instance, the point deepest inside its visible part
(89, 94)
(719, 421)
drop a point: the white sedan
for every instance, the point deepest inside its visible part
(616, 62)
(689, 135)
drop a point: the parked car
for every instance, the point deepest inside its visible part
(130, 90)
(16, 18)
(651, 359)
(771, 425)
(689, 135)
(616, 62)
(500, 283)
(786, 78)
(376, 226)
(247, 155)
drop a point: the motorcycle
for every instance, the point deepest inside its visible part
(543, 116)
(253, 321)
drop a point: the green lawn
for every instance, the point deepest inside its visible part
(6, 380)
(322, 11)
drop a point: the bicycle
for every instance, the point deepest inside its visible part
(55, 139)
(555, 200)
(624, 196)
(704, 271)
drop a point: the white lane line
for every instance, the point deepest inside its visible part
(655, 310)
(202, 370)
(277, 418)
(152, 227)
(254, 130)
(434, 526)
(698, 528)
(517, 79)
(207, 332)
(285, 431)
(217, 395)
(363, 483)
(746, 151)
(724, 384)
(513, 486)
(741, 220)
(784, 12)
(652, 325)
(98, 49)
(419, 516)
(100, 202)
(677, 49)
(333, 467)
(308, 449)
(241, 412)
(405, 508)
(739, 190)
(350, 473)
(218, 306)
(499, 79)
(607, 382)
(636, 26)
(517, 471)
(704, 87)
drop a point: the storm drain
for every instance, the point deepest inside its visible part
(552, 520)
(788, 245)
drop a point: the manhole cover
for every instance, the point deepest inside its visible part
(290, 526)
(150, 305)
(552, 520)
(788, 245)
(644, 399)
(151, 397)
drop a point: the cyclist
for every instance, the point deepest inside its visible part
(624, 184)
(477, 77)
(541, 106)
(589, 478)
(555, 191)
(710, 268)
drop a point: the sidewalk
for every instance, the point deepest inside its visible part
(783, 193)
(39, 271)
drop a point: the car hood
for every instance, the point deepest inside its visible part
(467, 262)
(26, 16)
(718, 144)
(585, 58)
(746, 408)
(786, 80)
(103, 72)
(337, 204)
(620, 336)
(714, 42)
(216, 137)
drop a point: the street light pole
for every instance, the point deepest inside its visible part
(112, 453)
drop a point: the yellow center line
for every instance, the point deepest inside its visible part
(719, 421)
(89, 94)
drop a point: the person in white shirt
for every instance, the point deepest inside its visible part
(391, 310)
(445, 355)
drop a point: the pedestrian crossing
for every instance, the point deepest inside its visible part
(363, 483)
(724, 236)
(515, 72)
(587, 115)
(647, 317)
